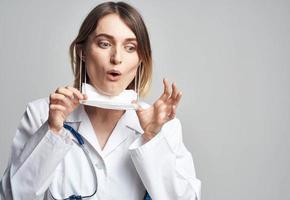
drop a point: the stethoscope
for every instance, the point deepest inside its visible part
(81, 143)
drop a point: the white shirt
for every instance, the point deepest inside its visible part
(42, 161)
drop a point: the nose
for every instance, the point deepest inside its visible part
(116, 57)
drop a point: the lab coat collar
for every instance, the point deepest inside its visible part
(127, 125)
(131, 118)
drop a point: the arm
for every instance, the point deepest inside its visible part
(36, 152)
(165, 165)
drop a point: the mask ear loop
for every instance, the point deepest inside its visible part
(85, 91)
(80, 66)
(85, 78)
(137, 81)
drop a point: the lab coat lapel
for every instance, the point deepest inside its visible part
(132, 122)
(81, 122)
(87, 131)
(126, 126)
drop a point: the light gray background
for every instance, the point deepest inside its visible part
(230, 58)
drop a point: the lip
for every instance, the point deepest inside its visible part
(115, 71)
(113, 75)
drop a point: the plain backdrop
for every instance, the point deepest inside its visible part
(230, 58)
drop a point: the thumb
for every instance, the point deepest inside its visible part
(137, 106)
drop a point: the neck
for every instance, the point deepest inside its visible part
(103, 115)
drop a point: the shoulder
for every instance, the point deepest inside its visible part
(35, 115)
(41, 102)
(38, 108)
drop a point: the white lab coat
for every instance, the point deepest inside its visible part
(42, 161)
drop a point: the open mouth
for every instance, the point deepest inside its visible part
(114, 74)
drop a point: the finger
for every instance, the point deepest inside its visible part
(57, 107)
(76, 92)
(166, 92)
(177, 100)
(137, 106)
(174, 91)
(69, 93)
(173, 112)
(56, 98)
(66, 92)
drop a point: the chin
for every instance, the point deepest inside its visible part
(111, 92)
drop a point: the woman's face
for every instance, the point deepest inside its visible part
(111, 56)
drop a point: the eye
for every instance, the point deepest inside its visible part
(130, 48)
(104, 44)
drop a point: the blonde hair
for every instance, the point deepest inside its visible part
(134, 21)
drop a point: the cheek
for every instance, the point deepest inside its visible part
(132, 70)
(132, 62)
(94, 62)
(131, 74)
(96, 56)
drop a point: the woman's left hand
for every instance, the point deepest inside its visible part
(164, 109)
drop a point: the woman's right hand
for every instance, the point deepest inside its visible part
(61, 103)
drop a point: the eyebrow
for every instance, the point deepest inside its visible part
(112, 37)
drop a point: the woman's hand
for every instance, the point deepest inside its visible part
(61, 103)
(163, 110)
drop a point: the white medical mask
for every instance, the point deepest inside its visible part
(121, 102)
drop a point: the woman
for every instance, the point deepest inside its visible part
(124, 154)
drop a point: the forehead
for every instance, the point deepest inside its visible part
(113, 25)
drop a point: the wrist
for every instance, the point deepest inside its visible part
(147, 136)
(54, 129)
